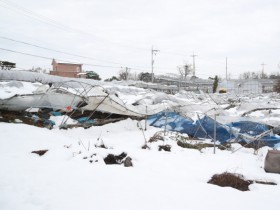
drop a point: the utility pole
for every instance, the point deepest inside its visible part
(193, 56)
(263, 64)
(154, 52)
(226, 70)
(126, 72)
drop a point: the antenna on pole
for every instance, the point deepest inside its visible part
(193, 56)
(154, 52)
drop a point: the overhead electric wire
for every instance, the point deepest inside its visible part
(67, 61)
(41, 18)
(22, 10)
(76, 55)
(139, 68)
(87, 64)
(48, 58)
(15, 7)
(59, 51)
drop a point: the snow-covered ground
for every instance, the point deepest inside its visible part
(72, 174)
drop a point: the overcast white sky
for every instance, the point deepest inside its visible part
(120, 33)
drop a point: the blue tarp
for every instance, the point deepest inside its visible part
(248, 127)
(173, 121)
(254, 129)
(204, 128)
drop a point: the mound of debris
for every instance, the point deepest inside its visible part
(118, 159)
(40, 152)
(236, 181)
(230, 180)
(26, 118)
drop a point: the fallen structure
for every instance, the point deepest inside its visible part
(246, 132)
(80, 101)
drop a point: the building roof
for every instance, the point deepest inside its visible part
(55, 62)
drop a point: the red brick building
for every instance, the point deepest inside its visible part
(66, 69)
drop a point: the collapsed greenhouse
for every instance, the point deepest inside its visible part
(92, 105)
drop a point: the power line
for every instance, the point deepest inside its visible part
(63, 52)
(67, 61)
(46, 20)
(87, 64)
(76, 55)
(48, 58)
(26, 12)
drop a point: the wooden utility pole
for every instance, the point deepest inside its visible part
(154, 52)
(226, 70)
(126, 73)
(193, 56)
(263, 64)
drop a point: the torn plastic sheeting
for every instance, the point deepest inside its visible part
(86, 120)
(173, 122)
(45, 121)
(206, 127)
(202, 128)
(253, 129)
(47, 100)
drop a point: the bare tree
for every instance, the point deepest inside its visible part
(124, 73)
(185, 70)
(38, 70)
(253, 75)
(6, 65)
(145, 76)
(245, 75)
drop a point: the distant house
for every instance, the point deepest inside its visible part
(66, 69)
